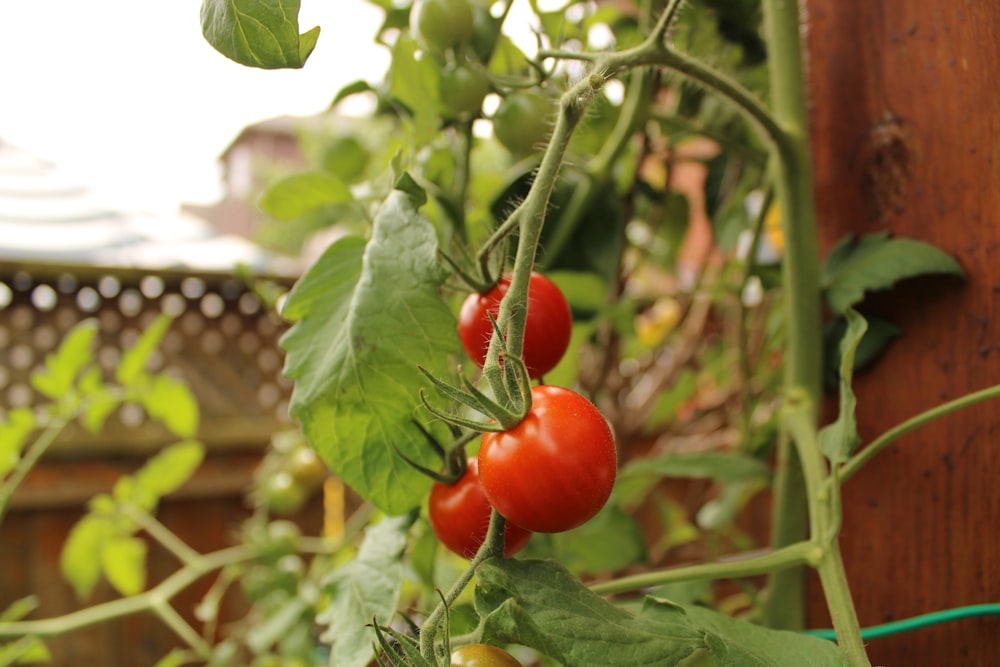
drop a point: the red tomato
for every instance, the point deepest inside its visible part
(460, 516)
(482, 655)
(554, 470)
(547, 330)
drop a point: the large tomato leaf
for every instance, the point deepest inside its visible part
(541, 605)
(367, 316)
(366, 588)
(256, 33)
(875, 262)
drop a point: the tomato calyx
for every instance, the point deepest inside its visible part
(502, 413)
(453, 458)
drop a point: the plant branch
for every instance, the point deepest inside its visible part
(853, 464)
(35, 452)
(735, 567)
(162, 534)
(173, 620)
(146, 601)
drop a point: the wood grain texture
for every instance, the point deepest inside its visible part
(905, 122)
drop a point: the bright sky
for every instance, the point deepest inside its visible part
(127, 96)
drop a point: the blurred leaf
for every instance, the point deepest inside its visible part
(123, 559)
(167, 471)
(725, 467)
(353, 88)
(55, 380)
(296, 195)
(134, 359)
(874, 262)
(839, 439)
(170, 401)
(263, 635)
(80, 559)
(256, 33)
(15, 428)
(609, 542)
(876, 339)
(368, 314)
(365, 588)
(414, 82)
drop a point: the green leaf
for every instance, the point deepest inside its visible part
(134, 359)
(353, 88)
(414, 82)
(80, 559)
(365, 588)
(276, 625)
(839, 439)
(880, 333)
(55, 380)
(364, 323)
(540, 605)
(123, 560)
(296, 195)
(14, 431)
(609, 542)
(735, 643)
(258, 33)
(167, 471)
(876, 262)
(170, 401)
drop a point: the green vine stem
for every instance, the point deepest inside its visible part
(146, 601)
(734, 567)
(853, 464)
(492, 546)
(35, 452)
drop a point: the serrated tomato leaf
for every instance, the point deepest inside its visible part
(61, 368)
(80, 559)
(368, 314)
(257, 33)
(365, 588)
(541, 605)
(874, 262)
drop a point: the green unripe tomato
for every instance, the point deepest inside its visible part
(439, 25)
(462, 90)
(307, 468)
(282, 494)
(522, 122)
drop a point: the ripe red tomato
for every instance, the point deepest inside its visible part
(482, 655)
(547, 330)
(460, 516)
(556, 468)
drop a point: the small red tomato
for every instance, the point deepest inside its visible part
(554, 470)
(482, 655)
(547, 330)
(460, 516)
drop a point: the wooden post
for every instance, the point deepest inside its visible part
(906, 130)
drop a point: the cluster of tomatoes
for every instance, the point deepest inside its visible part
(551, 472)
(467, 33)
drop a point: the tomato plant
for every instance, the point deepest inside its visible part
(547, 330)
(282, 494)
(482, 655)
(460, 515)
(556, 468)
(307, 468)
